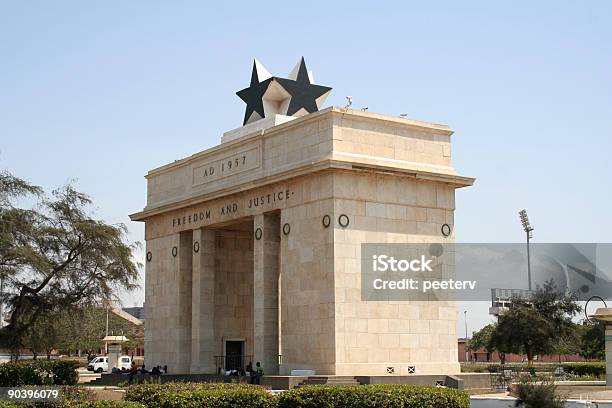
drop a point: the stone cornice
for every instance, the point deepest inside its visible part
(331, 111)
(310, 168)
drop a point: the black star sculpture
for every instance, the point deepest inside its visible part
(253, 95)
(303, 93)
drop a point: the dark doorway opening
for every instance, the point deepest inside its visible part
(234, 355)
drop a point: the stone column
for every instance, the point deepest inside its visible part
(183, 317)
(608, 339)
(604, 315)
(265, 290)
(203, 303)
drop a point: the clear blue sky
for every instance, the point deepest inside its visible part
(102, 91)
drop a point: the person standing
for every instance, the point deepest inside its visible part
(133, 371)
(250, 372)
(259, 372)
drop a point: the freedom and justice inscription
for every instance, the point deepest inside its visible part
(271, 199)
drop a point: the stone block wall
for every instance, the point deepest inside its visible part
(372, 336)
(233, 319)
(168, 298)
(307, 282)
(392, 143)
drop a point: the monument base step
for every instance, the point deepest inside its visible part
(330, 380)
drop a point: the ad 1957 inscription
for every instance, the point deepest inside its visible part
(227, 166)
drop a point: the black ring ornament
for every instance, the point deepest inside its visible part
(286, 228)
(196, 247)
(588, 319)
(174, 251)
(343, 220)
(446, 230)
(149, 256)
(258, 234)
(326, 221)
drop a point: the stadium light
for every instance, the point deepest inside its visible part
(529, 233)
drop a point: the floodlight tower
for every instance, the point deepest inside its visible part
(529, 233)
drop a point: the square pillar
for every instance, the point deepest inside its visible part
(608, 340)
(265, 290)
(203, 302)
(183, 317)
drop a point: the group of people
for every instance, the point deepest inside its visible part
(255, 374)
(252, 374)
(156, 371)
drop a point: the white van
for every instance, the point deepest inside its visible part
(100, 364)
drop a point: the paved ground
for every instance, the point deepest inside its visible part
(492, 395)
(591, 392)
(107, 393)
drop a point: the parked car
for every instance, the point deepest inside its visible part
(125, 363)
(100, 364)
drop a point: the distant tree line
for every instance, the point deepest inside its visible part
(541, 325)
(80, 330)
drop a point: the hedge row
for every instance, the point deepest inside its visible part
(251, 396)
(104, 404)
(521, 368)
(215, 395)
(597, 369)
(73, 397)
(152, 394)
(373, 396)
(38, 372)
(192, 395)
(76, 404)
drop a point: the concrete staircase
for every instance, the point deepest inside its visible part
(330, 380)
(85, 377)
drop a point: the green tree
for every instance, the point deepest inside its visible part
(55, 256)
(45, 334)
(482, 339)
(12, 188)
(592, 341)
(566, 345)
(90, 325)
(81, 329)
(532, 326)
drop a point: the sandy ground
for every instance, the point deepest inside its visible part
(107, 393)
